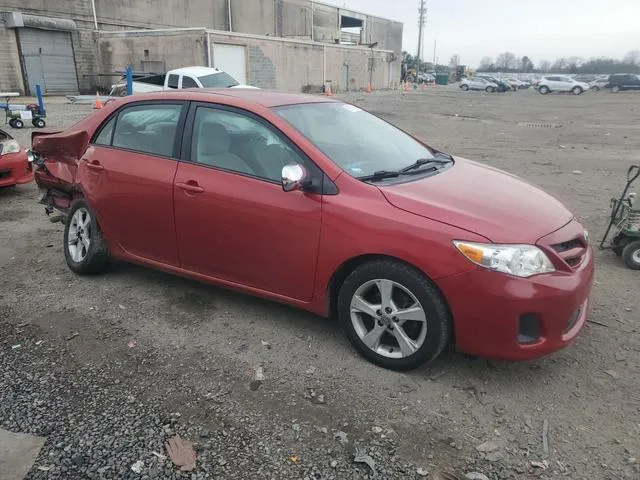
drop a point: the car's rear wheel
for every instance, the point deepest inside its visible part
(543, 89)
(631, 255)
(577, 90)
(489, 89)
(615, 88)
(84, 247)
(464, 87)
(595, 88)
(393, 314)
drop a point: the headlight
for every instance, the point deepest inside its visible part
(9, 146)
(519, 260)
(30, 155)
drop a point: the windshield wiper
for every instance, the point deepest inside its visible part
(425, 161)
(380, 175)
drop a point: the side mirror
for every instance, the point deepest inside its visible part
(294, 177)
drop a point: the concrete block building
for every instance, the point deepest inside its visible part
(69, 46)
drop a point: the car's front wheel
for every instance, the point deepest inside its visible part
(464, 87)
(543, 89)
(615, 88)
(577, 90)
(489, 89)
(393, 314)
(84, 247)
(595, 88)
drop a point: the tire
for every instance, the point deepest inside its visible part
(543, 89)
(631, 255)
(83, 226)
(423, 339)
(464, 87)
(489, 89)
(11, 122)
(39, 123)
(577, 90)
(615, 89)
(595, 88)
(17, 123)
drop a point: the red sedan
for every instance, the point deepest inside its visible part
(316, 203)
(14, 166)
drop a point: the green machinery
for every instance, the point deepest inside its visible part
(624, 224)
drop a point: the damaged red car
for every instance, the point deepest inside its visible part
(15, 169)
(318, 204)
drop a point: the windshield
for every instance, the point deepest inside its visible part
(358, 142)
(218, 80)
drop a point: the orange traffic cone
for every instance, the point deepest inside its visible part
(406, 87)
(98, 105)
(328, 92)
(369, 89)
(423, 87)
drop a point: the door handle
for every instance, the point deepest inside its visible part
(95, 165)
(191, 186)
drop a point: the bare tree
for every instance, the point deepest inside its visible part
(506, 61)
(544, 65)
(632, 58)
(486, 64)
(560, 65)
(526, 65)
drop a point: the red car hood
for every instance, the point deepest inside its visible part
(484, 200)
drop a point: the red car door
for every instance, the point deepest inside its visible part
(233, 219)
(128, 173)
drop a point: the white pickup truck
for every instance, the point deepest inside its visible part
(187, 77)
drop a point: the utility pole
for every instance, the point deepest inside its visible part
(422, 16)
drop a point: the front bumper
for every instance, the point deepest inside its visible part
(491, 310)
(15, 169)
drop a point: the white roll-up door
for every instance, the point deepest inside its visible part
(48, 60)
(232, 59)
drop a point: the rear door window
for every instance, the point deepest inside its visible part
(188, 82)
(172, 81)
(148, 129)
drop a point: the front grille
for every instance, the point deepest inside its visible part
(5, 174)
(571, 251)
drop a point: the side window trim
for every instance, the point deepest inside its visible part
(113, 117)
(187, 139)
(177, 142)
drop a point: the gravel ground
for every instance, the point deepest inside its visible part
(104, 404)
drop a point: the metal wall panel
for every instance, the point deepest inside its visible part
(49, 60)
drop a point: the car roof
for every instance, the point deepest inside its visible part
(196, 70)
(257, 97)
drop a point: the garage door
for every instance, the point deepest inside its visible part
(232, 59)
(48, 60)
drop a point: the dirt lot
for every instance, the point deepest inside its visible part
(104, 405)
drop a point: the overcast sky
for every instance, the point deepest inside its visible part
(540, 29)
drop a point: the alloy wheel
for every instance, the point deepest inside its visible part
(79, 236)
(388, 318)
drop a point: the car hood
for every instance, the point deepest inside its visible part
(499, 206)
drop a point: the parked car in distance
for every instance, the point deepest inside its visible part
(477, 83)
(502, 86)
(318, 204)
(561, 83)
(15, 169)
(426, 78)
(599, 84)
(624, 81)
